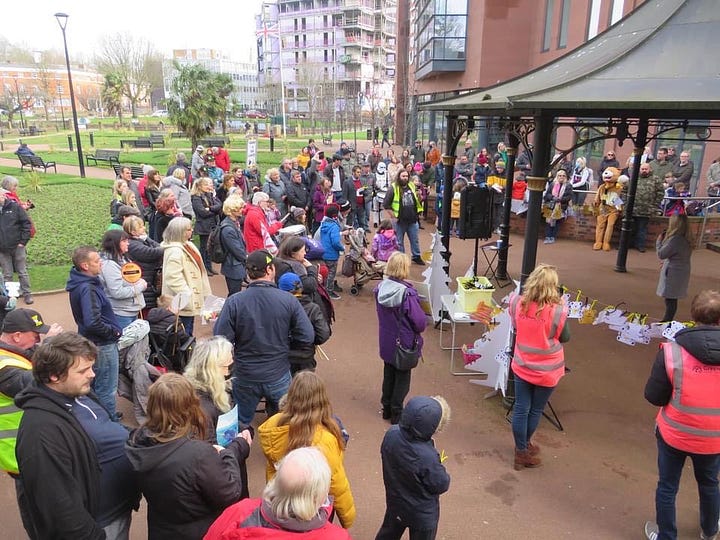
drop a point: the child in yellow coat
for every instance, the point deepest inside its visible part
(608, 206)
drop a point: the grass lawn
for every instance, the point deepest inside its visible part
(69, 212)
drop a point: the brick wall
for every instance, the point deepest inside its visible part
(582, 228)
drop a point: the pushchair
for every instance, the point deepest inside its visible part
(359, 264)
(170, 346)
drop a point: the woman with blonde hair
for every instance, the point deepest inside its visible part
(119, 187)
(674, 248)
(206, 207)
(538, 316)
(401, 322)
(231, 235)
(184, 271)
(306, 419)
(185, 480)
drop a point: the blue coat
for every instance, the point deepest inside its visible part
(330, 239)
(413, 475)
(233, 266)
(91, 309)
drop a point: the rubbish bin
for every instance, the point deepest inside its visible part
(368, 134)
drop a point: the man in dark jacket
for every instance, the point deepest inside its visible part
(96, 321)
(683, 382)
(258, 321)
(297, 193)
(417, 152)
(336, 174)
(609, 160)
(648, 197)
(75, 480)
(354, 192)
(404, 207)
(180, 163)
(14, 236)
(302, 355)
(413, 472)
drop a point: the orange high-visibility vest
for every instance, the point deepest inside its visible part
(539, 357)
(691, 420)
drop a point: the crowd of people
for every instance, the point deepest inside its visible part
(278, 312)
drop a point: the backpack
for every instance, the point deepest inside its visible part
(314, 250)
(214, 246)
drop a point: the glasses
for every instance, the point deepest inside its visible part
(610, 154)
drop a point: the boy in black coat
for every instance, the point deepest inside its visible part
(302, 355)
(413, 472)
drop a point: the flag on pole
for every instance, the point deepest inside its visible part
(268, 31)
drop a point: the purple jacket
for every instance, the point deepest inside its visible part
(384, 244)
(398, 299)
(319, 203)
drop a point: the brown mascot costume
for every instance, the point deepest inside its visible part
(608, 208)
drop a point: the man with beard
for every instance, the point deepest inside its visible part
(648, 197)
(404, 207)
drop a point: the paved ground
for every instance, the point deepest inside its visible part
(598, 476)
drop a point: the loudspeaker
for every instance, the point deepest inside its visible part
(476, 213)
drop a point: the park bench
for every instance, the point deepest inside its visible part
(32, 130)
(109, 156)
(210, 142)
(136, 171)
(157, 140)
(327, 140)
(36, 162)
(178, 135)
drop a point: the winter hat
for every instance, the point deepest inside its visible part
(499, 163)
(290, 282)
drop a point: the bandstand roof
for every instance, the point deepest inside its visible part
(658, 62)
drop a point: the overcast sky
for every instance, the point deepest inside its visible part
(224, 24)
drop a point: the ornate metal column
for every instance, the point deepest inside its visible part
(626, 228)
(536, 185)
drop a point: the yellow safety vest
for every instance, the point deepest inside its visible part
(397, 197)
(10, 415)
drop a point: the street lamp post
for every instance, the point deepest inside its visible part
(62, 21)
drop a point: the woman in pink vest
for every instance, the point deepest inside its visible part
(539, 317)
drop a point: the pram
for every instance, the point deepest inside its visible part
(364, 266)
(170, 346)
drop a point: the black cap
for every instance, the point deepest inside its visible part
(24, 320)
(259, 260)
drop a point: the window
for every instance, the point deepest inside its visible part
(594, 19)
(440, 31)
(564, 24)
(617, 11)
(547, 35)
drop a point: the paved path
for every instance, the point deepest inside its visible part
(598, 476)
(90, 172)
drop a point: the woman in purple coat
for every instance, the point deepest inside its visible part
(400, 318)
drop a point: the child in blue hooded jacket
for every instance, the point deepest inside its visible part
(330, 237)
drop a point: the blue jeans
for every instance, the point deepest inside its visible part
(530, 401)
(641, 225)
(670, 466)
(411, 229)
(105, 382)
(247, 395)
(125, 320)
(189, 323)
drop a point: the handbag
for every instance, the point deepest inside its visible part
(405, 359)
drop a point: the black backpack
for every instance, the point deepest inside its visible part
(215, 247)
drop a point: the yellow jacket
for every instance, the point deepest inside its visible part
(274, 440)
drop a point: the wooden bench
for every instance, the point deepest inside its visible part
(109, 156)
(36, 162)
(210, 142)
(327, 140)
(136, 171)
(157, 140)
(32, 130)
(178, 135)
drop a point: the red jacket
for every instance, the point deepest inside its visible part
(222, 159)
(690, 421)
(256, 231)
(539, 358)
(227, 527)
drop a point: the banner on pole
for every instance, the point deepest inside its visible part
(251, 152)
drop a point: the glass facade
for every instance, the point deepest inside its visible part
(441, 34)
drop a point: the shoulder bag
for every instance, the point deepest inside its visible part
(405, 359)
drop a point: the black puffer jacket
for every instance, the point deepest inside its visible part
(207, 208)
(14, 226)
(413, 475)
(187, 483)
(148, 255)
(302, 353)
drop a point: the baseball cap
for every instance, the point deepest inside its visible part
(24, 320)
(259, 260)
(290, 282)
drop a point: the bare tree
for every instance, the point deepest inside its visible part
(134, 62)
